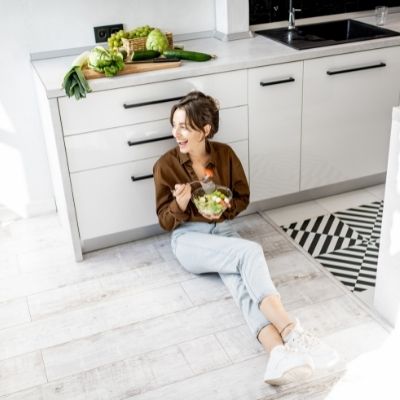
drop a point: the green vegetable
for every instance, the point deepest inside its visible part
(157, 41)
(108, 62)
(187, 55)
(144, 55)
(115, 40)
(75, 83)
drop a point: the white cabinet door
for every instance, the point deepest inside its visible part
(347, 103)
(274, 129)
(114, 199)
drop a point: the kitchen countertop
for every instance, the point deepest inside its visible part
(233, 55)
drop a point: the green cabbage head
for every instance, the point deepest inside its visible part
(157, 41)
(108, 62)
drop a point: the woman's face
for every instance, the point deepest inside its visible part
(188, 139)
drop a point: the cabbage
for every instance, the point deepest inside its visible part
(157, 41)
(108, 62)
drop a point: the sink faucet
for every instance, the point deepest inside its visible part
(292, 10)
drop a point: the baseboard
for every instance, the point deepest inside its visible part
(114, 239)
(312, 194)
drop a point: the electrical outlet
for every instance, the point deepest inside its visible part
(102, 33)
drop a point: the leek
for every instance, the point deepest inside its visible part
(75, 83)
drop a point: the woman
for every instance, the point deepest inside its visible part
(208, 244)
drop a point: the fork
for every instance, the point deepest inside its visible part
(206, 183)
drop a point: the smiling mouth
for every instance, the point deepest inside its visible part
(182, 142)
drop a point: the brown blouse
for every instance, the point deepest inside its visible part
(176, 167)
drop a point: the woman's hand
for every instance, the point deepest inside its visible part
(183, 193)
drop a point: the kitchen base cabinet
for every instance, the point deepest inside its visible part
(347, 103)
(274, 129)
(109, 142)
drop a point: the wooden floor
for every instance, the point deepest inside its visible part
(129, 323)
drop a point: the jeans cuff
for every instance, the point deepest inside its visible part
(260, 328)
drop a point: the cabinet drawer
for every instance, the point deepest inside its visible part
(143, 103)
(233, 125)
(107, 147)
(242, 151)
(151, 139)
(108, 201)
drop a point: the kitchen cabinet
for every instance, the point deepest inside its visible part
(112, 140)
(298, 125)
(275, 101)
(347, 103)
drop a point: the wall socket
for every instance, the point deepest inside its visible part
(102, 33)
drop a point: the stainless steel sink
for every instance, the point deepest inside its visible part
(327, 34)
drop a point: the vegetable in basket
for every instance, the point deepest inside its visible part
(157, 40)
(75, 83)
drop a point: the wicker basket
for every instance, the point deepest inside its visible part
(131, 45)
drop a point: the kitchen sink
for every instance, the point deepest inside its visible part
(327, 34)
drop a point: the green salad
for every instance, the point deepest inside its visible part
(212, 204)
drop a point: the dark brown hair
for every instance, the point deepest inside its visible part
(200, 110)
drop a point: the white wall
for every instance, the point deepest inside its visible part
(25, 185)
(30, 26)
(387, 291)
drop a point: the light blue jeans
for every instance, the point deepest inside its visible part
(203, 247)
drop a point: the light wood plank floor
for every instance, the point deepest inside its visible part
(129, 323)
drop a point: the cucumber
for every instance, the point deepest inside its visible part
(144, 55)
(187, 55)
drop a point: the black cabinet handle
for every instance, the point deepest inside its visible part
(140, 178)
(148, 103)
(157, 139)
(344, 71)
(269, 83)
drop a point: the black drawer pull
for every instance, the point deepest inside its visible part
(343, 71)
(140, 178)
(148, 103)
(269, 83)
(157, 139)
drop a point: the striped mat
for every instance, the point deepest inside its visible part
(345, 242)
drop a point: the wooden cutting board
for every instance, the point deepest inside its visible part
(133, 69)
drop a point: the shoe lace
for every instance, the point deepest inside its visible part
(302, 341)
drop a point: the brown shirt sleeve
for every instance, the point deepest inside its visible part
(168, 211)
(174, 167)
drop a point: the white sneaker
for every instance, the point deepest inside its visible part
(301, 340)
(286, 365)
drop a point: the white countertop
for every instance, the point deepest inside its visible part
(232, 55)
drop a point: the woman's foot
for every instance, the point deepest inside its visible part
(286, 365)
(303, 341)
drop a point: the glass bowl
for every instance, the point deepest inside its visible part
(212, 205)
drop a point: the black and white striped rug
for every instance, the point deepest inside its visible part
(345, 242)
